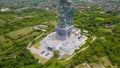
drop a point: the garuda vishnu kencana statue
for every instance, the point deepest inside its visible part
(65, 13)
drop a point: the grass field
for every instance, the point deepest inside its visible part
(41, 59)
(64, 57)
(37, 45)
(20, 32)
(105, 30)
(7, 45)
(2, 38)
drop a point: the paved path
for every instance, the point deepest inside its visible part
(39, 36)
(30, 43)
(77, 52)
(94, 38)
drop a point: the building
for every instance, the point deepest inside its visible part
(5, 9)
(66, 46)
(66, 38)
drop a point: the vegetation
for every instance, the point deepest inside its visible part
(37, 45)
(107, 42)
(56, 53)
(16, 33)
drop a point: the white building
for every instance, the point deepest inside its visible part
(5, 9)
(51, 43)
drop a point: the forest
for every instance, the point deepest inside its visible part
(16, 31)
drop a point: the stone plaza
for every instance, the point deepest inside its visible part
(66, 46)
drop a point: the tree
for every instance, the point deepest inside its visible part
(56, 53)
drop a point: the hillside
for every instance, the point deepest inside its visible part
(102, 48)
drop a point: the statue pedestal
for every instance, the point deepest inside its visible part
(63, 33)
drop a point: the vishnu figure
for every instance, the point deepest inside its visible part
(65, 13)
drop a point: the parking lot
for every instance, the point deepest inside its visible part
(44, 52)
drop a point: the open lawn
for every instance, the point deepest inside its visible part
(53, 22)
(41, 59)
(64, 57)
(20, 32)
(30, 35)
(99, 19)
(2, 38)
(37, 45)
(105, 29)
(55, 64)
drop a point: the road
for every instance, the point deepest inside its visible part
(30, 43)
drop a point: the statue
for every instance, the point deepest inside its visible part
(65, 13)
(66, 16)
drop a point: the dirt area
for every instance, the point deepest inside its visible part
(96, 65)
(105, 61)
(83, 65)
